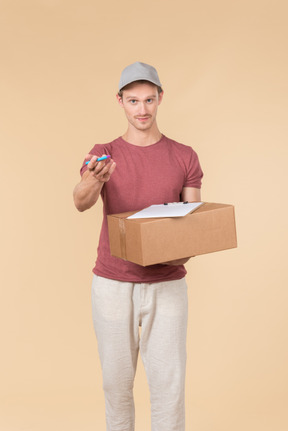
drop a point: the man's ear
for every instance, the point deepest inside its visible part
(160, 97)
(119, 99)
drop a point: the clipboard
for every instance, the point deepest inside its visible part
(173, 209)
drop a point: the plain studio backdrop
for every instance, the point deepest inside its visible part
(223, 65)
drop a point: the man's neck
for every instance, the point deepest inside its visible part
(142, 138)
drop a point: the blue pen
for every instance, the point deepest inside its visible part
(99, 159)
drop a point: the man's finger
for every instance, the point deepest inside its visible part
(92, 163)
(99, 167)
(112, 168)
(105, 172)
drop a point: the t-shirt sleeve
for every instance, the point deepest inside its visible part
(194, 173)
(98, 150)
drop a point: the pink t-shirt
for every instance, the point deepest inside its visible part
(143, 176)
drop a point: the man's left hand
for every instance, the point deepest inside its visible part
(177, 261)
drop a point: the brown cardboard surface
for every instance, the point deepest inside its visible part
(209, 229)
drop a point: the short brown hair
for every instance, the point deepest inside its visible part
(143, 81)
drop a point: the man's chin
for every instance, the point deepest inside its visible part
(144, 125)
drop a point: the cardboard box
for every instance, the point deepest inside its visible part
(149, 241)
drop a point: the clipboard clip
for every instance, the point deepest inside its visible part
(176, 203)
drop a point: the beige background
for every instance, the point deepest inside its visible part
(223, 65)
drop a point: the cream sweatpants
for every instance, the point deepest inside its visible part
(119, 308)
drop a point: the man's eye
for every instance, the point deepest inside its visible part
(133, 101)
(149, 100)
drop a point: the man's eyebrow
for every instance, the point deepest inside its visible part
(153, 96)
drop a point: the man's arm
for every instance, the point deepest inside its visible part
(189, 194)
(87, 192)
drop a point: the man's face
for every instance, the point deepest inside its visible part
(140, 102)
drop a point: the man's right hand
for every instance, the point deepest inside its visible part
(102, 170)
(87, 192)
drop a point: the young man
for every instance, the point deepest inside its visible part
(145, 168)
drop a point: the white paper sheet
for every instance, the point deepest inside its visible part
(176, 209)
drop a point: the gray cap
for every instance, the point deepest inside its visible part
(138, 72)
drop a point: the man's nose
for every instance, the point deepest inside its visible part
(142, 108)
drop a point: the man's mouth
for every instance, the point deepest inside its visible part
(144, 118)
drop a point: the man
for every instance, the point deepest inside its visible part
(145, 168)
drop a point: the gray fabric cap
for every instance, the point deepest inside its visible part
(138, 72)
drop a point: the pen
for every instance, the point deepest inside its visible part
(99, 159)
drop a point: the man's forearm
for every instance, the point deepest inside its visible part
(87, 192)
